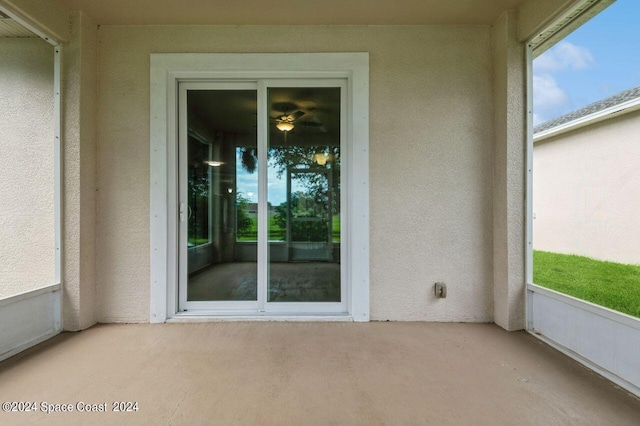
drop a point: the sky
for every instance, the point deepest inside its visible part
(598, 60)
(247, 183)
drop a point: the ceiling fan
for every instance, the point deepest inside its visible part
(286, 121)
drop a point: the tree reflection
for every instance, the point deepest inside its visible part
(315, 192)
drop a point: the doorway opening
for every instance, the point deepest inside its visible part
(221, 180)
(259, 200)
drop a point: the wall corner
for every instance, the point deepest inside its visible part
(508, 187)
(79, 173)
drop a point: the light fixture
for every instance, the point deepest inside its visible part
(229, 190)
(214, 163)
(284, 126)
(320, 158)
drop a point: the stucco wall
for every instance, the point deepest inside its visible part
(431, 165)
(79, 138)
(508, 174)
(26, 166)
(585, 191)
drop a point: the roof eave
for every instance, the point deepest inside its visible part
(587, 120)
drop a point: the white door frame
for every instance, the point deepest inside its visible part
(167, 70)
(261, 304)
(184, 306)
(345, 154)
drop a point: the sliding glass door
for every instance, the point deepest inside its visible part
(260, 224)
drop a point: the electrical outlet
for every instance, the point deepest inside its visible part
(440, 290)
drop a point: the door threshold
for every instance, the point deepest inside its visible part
(183, 317)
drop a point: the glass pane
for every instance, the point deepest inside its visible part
(304, 195)
(222, 190)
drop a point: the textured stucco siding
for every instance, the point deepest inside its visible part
(430, 156)
(508, 174)
(79, 138)
(586, 196)
(27, 258)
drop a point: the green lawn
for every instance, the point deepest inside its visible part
(278, 234)
(275, 233)
(336, 228)
(197, 241)
(613, 285)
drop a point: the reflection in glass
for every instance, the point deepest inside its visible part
(222, 182)
(304, 195)
(199, 191)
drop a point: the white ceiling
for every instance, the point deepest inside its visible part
(293, 12)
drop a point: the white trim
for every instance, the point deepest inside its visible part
(183, 131)
(159, 210)
(263, 195)
(29, 294)
(57, 174)
(610, 314)
(603, 340)
(306, 308)
(26, 345)
(29, 318)
(167, 69)
(358, 181)
(249, 316)
(222, 307)
(590, 365)
(314, 307)
(261, 304)
(571, 19)
(345, 290)
(182, 197)
(29, 24)
(528, 250)
(587, 120)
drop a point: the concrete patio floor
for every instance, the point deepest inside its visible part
(311, 373)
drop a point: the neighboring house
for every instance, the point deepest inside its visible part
(586, 186)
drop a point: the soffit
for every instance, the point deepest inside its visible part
(293, 12)
(11, 29)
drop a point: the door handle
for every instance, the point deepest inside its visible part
(181, 211)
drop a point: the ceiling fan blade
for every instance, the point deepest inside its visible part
(297, 114)
(318, 125)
